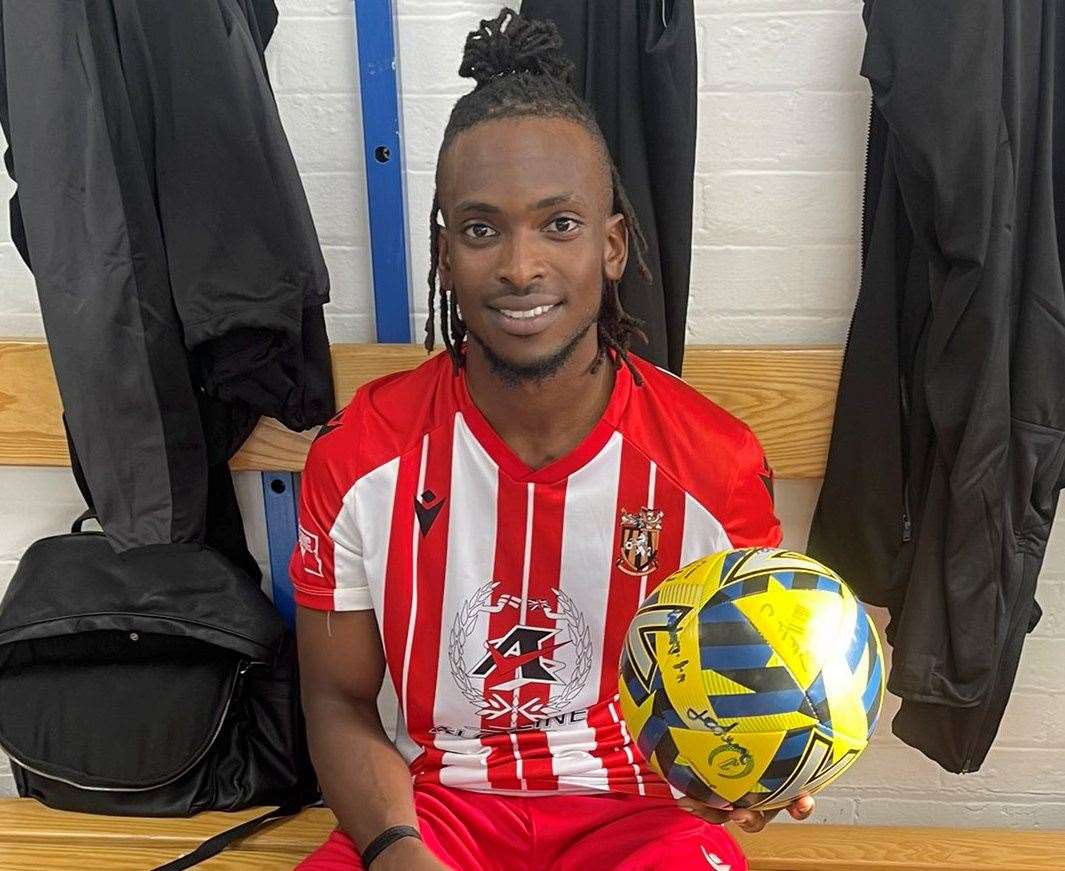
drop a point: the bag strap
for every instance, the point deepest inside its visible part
(216, 844)
(87, 514)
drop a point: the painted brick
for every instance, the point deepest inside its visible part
(784, 279)
(338, 206)
(1040, 668)
(316, 55)
(323, 130)
(1034, 720)
(795, 130)
(350, 328)
(48, 502)
(1012, 771)
(784, 208)
(351, 279)
(424, 119)
(830, 809)
(297, 8)
(1015, 813)
(1051, 597)
(710, 327)
(890, 768)
(772, 52)
(18, 293)
(26, 326)
(430, 50)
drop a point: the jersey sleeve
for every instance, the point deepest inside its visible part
(750, 517)
(327, 567)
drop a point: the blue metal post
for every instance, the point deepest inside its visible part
(383, 148)
(279, 501)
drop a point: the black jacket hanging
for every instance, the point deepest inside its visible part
(179, 273)
(949, 439)
(636, 67)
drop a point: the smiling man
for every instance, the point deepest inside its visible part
(477, 534)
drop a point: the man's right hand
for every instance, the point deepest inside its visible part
(408, 854)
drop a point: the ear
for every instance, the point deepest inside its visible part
(615, 248)
(443, 259)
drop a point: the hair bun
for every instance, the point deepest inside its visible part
(510, 44)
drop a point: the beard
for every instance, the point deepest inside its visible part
(514, 374)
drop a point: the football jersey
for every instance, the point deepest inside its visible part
(503, 593)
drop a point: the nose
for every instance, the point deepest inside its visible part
(521, 261)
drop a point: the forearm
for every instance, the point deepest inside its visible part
(365, 780)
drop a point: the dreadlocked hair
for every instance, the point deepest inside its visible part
(519, 70)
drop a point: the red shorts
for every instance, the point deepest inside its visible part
(472, 831)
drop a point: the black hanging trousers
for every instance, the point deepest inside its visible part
(636, 67)
(179, 273)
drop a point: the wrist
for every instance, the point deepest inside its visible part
(400, 855)
(387, 842)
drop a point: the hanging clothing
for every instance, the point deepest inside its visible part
(636, 67)
(179, 273)
(948, 445)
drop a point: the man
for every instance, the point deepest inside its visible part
(477, 534)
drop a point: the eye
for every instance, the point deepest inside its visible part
(565, 224)
(479, 231)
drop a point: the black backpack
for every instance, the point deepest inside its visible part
(156, 682)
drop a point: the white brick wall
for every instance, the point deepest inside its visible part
(781, 145)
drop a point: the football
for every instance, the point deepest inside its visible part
(750, 677)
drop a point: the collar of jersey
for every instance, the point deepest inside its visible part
(514, 467)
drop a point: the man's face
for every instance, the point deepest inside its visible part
(529, 239)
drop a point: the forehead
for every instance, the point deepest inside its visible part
(522, 160)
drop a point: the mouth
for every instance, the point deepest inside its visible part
(521, 320)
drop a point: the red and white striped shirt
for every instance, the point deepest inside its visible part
(503, 593)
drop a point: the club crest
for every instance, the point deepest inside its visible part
(639, 541)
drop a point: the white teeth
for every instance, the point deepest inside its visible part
(524, 315)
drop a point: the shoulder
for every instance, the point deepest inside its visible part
(668, 413)
(386, 418)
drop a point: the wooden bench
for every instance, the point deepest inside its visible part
(35, 838)
(785, 394)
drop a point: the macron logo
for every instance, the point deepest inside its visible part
(715, 861)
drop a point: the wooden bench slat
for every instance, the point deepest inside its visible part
(25, 821)
(36, 831)
(786, 395)
(96, 858)
(806, 847)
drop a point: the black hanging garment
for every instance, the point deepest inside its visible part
(179, 273)
(636, 67)
(948, 445)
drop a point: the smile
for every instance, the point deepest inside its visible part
(527, 314)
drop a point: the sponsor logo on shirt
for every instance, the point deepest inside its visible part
(523, 655)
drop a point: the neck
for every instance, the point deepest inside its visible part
(542, 421)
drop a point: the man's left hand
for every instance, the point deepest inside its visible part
(748, 820)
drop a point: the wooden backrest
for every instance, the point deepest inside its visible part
(785, 394)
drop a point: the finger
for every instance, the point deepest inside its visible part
(802, 807)
(748, 820)
(710, 814)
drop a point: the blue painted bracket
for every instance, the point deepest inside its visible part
(280, 502)
(383, 146)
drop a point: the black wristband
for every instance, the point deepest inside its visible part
(385, 840)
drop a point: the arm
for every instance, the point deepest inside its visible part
(363, 777)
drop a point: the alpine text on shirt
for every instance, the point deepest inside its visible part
(502, 593)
